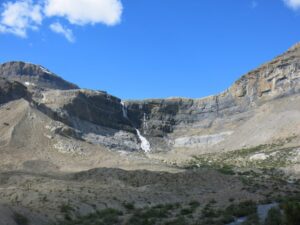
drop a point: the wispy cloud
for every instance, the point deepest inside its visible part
(66, 32)
(293, 4)
(19, 16)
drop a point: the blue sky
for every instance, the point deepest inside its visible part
(149, 48)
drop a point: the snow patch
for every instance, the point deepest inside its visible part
(45, 70)
(29, 84)
(145, 145)
(259, 156)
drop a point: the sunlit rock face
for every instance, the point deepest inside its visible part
(161, 118)
(243, 114)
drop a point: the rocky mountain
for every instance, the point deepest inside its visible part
(34, 76)
(168, 124)
(51, 132)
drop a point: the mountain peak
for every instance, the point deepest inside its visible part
(33, 75)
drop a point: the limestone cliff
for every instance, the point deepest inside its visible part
(221, 122)
(162, 118)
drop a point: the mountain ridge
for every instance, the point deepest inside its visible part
(161, 121)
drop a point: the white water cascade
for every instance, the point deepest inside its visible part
(124, 110)
(145, 125)
(145, 145)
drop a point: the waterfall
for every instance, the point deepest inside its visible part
(145, 125)
(145, 145)
(124, 110)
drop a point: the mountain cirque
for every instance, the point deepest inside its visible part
(67, 152)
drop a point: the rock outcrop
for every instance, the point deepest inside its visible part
(10, 91)
(93, 116)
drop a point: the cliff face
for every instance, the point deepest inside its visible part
(162, 118)
(91, 116)
(280, 77)
(98, 108)
(224, 121)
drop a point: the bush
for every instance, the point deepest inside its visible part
(226, 219)
(292, 212)
(155, 213)
(104, 217)
(194, 204)
(226, 169)
(128, 205)
(252, 220)
(274, 217)
(138, 218)
(208, 212)
(178, 221)
(242, 209)
(65, 208)
(20, 219)
(186, 211)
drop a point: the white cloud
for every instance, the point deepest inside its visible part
(82, 12)
(293, 4)
(67, 33)
(18, 17)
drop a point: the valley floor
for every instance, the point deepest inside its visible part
(116, 196)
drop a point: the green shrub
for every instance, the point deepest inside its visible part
(208, 212)
(226, 169)
(194, 204)
(155, 213)
(242, 209)
(186, 211)
(226, 218)
(274, 217)
(65, 208)
(292, 212)
(251, 220)
(178, 221)
(104, 217)
(129, 205)
(20, 219)
(139, 219)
